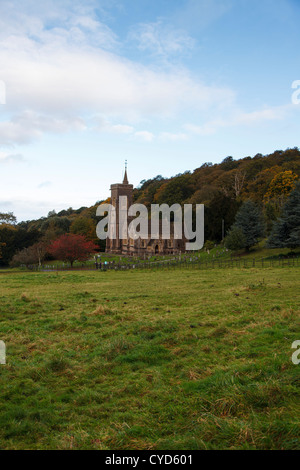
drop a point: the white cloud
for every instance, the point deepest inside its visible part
(121, 129)
(2, 92)
(11, 158)
(68, 81)
(144, 135)
(53, 20)
(240, 118)
(29, 125)
(256, 117)
(29, 208)
(61, 75)
(62, 66)
(103, 125)
(44, 184)
(169, 136)
(160, 39)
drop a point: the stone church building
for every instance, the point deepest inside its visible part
(138, 247)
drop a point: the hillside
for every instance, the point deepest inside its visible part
(266, 179)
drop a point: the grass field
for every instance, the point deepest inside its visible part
(160, 360)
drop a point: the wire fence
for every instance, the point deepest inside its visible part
(191, 263)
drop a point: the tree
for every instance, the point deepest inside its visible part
(258, 186)
(220, 208)
(249, 220)
(28, 256)
(14, 238)
(71, 247)
(235, 239)
(281, 185)
(59, 225)
(84, 226)
(8, 218)
(228, 164)
(51, 213)
(1, 245)
(175, 191)
(286, 231)
(239, 180)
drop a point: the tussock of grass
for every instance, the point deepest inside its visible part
(99, 311)
(25, 298)
(258, 285)
(219, 332)
(58, 364)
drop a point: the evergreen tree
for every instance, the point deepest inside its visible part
(249, 224)
(235, 239)
(286, 231)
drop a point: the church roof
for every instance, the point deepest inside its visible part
(125, 180)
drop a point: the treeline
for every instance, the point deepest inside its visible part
(266, 180)
(42, 232)
(222, 188)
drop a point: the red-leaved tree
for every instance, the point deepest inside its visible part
(71, 247)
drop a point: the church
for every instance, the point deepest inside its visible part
(138, 247)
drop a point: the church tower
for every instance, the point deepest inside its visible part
(117, 190)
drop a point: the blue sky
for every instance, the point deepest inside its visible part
(167, 85)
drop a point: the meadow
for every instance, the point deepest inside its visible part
(184, 359)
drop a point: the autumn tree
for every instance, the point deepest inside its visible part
(229, 164)
(71, 247)
(175, 191)
(84, 226)
(147, 190)
(281, 185)
(7, 218)
(204, 195)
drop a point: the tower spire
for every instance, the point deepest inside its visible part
(125, 180)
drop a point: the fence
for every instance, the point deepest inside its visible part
(181, 264)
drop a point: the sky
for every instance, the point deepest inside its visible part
(166, 84)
